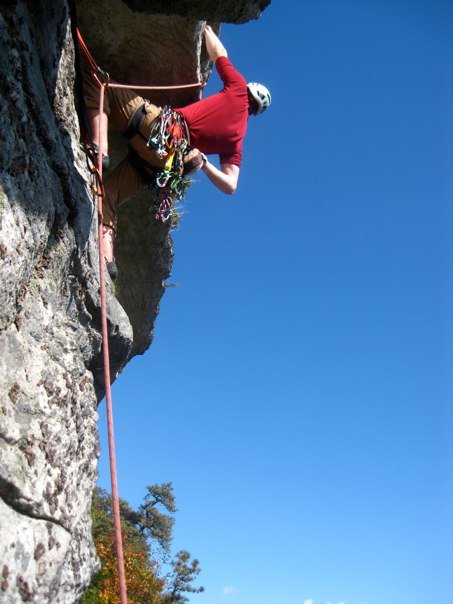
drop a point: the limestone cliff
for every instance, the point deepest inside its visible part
(50, 379)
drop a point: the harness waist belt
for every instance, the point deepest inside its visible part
(134, 122)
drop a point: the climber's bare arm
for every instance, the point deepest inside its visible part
(225, 179)
(214, 46)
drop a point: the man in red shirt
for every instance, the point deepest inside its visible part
(216, 125)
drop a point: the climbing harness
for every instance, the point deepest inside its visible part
(133, 127)
(169, 138)
(171, 185)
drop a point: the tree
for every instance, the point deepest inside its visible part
(152, 522)
(143, 582)
(140, 528)
(184, 573)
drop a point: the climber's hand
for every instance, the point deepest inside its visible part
(214, 46)
(194, 160)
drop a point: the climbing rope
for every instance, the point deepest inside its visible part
(162, 213)
(107, 381)
(96, 71)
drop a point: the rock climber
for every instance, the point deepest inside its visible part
(214, 125)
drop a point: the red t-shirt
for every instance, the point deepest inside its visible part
(217, 124)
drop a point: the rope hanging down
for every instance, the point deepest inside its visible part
(102, 78)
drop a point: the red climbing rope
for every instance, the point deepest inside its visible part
(96, 70)
(103, 79)
(140, 87)
(108, 390)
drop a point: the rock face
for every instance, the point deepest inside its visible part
(228, 11)
(50, 345)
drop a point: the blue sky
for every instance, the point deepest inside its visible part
(298, 392)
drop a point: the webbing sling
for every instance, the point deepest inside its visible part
(135, 122)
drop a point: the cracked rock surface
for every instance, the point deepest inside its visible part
(50, 345)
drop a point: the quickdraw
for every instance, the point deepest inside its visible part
(163, 205)
(174, 188)
(91, 161)
(168, 130)
(169, 137)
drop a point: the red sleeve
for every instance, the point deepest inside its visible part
(228, 74)
(233, 158)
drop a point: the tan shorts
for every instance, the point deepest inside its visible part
(120, 104)
(119, 185)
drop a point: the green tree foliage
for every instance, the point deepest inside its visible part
(150, 518)
(184, 573)
(140, 529)
(156, 525)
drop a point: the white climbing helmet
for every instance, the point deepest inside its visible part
(261, 95)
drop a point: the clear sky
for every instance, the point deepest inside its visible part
(299, 389)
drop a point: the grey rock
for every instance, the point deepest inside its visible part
(228, 11)
(51, 377)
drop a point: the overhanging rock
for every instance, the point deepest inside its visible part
(228, 11)
(137, 45)
(49, 302)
